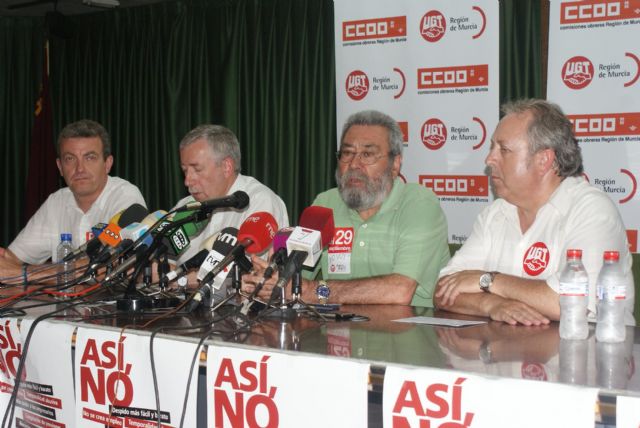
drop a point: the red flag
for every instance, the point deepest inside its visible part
(42, 178)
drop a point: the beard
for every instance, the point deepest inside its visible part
(372, 195)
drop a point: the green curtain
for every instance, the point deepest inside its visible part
(264, 68)
(21, 47)
(521, 61)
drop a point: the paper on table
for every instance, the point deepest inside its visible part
(440, 321)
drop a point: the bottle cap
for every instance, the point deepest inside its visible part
(65, 237)
(611, 256)
(574, 254)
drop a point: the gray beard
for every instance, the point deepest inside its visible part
(373, 194)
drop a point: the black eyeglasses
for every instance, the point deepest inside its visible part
(366, 157)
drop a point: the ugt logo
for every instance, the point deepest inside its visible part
(433, 134)
(577, 72)
(536, 259)
(357, 85)
(432, 26)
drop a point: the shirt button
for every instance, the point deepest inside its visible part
(364, 226)
(361, 244)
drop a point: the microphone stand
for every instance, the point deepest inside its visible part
(242, 264)
(288, 310)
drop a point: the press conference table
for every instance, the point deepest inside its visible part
(492, 348)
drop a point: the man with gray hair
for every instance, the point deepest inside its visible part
(210, 160)
(92, 197)
(390, 239)
(509, 268)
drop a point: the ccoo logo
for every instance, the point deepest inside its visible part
(432, 26)
(536, 259)
(357, 85)
(433, 134)
(577, 72)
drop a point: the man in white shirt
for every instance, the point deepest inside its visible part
(92, 196)
(210, 160)
(508, 268)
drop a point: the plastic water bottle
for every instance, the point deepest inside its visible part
(65, 269)
(574, 295)
(611, 298)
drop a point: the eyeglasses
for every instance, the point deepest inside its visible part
(366, 157)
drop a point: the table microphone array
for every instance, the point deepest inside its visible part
(134, 240)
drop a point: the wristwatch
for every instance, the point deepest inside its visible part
(323, 292)
(486, 279)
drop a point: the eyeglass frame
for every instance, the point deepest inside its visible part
(355, 155)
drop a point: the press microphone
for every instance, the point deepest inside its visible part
(306, 242)
(254, 236)
(91, 246)
(223, 245)
(135, 212)
(238, 200)
(140, 254)
(195, 261)
(315, 231)
(221, 248)
(277, 259)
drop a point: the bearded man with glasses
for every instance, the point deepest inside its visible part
(390, 239)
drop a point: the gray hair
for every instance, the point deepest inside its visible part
(377, 118)
(222, 141)
(86, 128)
(549, 128)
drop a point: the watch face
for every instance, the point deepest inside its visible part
(485, 280)
(323, 291)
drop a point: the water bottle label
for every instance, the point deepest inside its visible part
(612, 292)
(574, 288)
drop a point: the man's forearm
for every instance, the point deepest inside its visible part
(535, 293)
(385, 289)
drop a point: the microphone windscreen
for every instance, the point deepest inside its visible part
(93, 247)
(320, 219)
(280, 240)
(260, 228)
(134, 213)
(225, 240)
(116, 217)
(242, 199)
(191, 228)
(153, 217)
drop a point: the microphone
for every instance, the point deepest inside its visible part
(196, 260)
(110, 236)
(277, 259)
(222, 246)
(254, 236)
(91, 246)
(176, 233)
(305, 244)
(122, 267)
(134, 213)
(238, 200)
(315, 231)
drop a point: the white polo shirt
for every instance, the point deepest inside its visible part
(60, 214)
(261, 198)
(577, 216)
